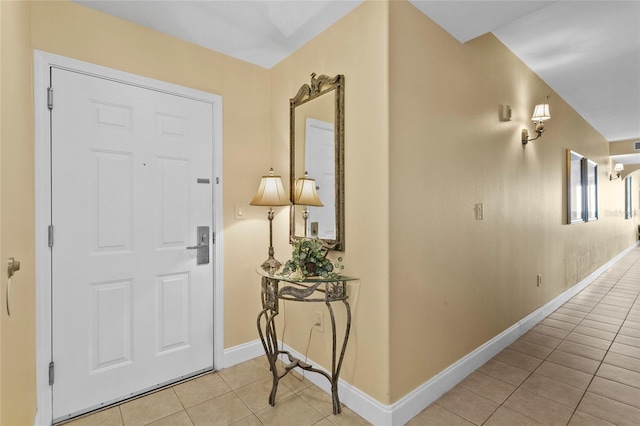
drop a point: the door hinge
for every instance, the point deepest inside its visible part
(50, 97)
(213, 237)
(51, 373)
(50, 235)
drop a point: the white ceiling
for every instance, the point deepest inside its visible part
(259, 31)
(587, 51)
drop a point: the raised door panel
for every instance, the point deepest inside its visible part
(112, 206)
(174, 312)
(111, 325)
(173, 181)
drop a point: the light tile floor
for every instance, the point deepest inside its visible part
(234, 396)
(579, 366)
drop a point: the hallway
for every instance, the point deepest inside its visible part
(579, 366)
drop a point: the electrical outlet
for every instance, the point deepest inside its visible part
(539, 280)
(319, 324)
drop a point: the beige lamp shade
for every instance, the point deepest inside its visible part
(306, 194)
(541, 113)
(270, 192)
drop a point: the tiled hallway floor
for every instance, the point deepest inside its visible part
(579, 366)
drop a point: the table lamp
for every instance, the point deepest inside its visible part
(306, 195)
(270, 193)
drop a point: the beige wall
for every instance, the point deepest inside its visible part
(356, 46)
(17, 332)
(456, 282)
(623, 147)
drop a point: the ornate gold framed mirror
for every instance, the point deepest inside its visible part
(316, 126)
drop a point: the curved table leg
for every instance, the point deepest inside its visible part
(269, 343)
(336, 367)
(269, 337)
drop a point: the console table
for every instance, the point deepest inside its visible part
(327, 290)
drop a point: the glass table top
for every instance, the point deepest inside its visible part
(294, 278)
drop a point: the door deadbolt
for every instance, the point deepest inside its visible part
(13, 267)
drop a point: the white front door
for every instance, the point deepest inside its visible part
(131, 181)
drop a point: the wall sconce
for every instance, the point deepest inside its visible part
(617, 171)
(306, 195)
(540, 115)
(270, 193)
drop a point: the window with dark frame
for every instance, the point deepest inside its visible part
(575, 199)
(628, 202)
(591, 190)
(582, 188)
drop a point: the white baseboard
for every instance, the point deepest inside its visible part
(420, 398)
(241, 353)
(359, 402)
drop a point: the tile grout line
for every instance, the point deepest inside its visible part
(181, 404)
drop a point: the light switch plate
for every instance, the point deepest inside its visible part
(505, 113)
(240, 211)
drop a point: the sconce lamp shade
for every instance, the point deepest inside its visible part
(617, 171)
(306, 194)
(270, 192)
(541, 113)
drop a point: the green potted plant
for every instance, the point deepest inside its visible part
(309, 258)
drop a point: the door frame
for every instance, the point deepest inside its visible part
(42, 152)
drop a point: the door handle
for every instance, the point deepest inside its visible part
(199, 246)
(13, 266)
(202, 237)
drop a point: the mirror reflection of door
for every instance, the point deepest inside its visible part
(320, 164)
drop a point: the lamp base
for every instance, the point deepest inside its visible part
(271, 265)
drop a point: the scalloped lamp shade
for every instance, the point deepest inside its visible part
(541, 113)
(270, 192)
(306, 194)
